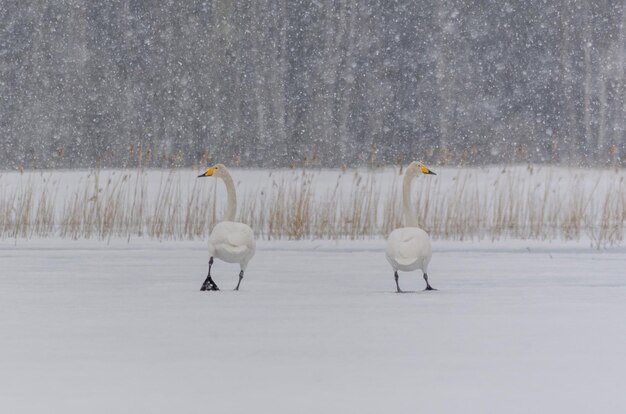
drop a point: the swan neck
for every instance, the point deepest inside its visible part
(231, 207)
(409, 216)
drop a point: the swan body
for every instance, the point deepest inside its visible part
(408, 248)
(230, 241)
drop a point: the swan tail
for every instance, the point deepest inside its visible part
(405, 262)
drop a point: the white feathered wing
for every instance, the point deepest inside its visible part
(408, 249)
(232, 242)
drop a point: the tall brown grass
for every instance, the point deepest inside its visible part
(515, 203)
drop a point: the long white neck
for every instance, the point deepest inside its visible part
(409, 217)
(231, 208)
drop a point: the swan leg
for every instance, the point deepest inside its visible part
(240, 277)
(428, 286)
(395, 275)
(209, 284)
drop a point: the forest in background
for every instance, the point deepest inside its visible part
(329, 82)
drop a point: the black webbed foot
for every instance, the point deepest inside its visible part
(428, 286)
(209, 285)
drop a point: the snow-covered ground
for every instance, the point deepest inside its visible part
(516, 327)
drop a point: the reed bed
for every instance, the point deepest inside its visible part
(460, 204)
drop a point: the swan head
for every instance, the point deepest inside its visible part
(218, 170)
(417, 166)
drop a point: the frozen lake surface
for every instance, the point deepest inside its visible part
(516, 327)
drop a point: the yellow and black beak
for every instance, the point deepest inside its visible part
(426, 170)
(208, 172)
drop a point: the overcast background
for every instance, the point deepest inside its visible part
(332, 83)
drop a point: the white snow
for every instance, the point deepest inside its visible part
(516, 327)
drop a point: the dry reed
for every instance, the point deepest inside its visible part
(517, 203)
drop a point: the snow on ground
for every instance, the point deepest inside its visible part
(516, 327)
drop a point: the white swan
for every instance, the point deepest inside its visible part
(229, 241)
(408, 248)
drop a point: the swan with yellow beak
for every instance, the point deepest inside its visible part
(408, 248)
(230, 241)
